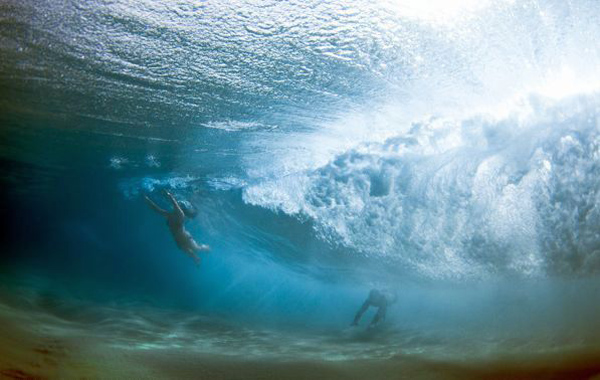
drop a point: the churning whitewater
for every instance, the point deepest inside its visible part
(452, 199)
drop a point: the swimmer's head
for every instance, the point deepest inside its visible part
(374, 293)
(188, 209)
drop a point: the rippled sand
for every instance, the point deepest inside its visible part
(46, 337)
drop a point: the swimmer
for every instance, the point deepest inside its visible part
(175, 221)
(378, 299)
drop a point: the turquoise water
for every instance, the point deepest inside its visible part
(448, 152)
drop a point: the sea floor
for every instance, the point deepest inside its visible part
(45, 337)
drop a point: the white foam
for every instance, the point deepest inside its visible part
(454, 198)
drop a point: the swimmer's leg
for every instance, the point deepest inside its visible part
(196, 260)
(192, 253)
(200, 248)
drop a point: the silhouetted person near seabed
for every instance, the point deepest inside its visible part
(175, 221)
(379, 299)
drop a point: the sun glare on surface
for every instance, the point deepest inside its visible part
(437, 11)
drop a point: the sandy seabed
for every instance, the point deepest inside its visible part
(42, 337)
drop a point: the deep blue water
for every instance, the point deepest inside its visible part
(450, 153)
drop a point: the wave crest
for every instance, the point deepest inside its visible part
(470, 198)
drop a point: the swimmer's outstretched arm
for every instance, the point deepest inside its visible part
(360, 312)
(155, 207)
(380, 316)
(176, 209)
